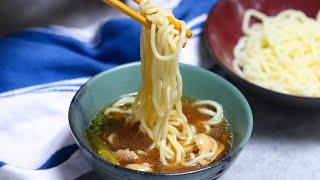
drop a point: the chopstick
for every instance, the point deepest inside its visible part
(140, 18)
(128, 11)
(172, 21)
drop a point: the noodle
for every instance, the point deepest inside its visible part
(161, 89)
(141, 152)
(157, 107)
(111, 137)
(282, 53)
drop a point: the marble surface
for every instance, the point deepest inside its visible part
(285, 144)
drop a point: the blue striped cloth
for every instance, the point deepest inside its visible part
(42, 68)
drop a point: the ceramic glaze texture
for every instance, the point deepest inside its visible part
(198, 83)
(223, 30)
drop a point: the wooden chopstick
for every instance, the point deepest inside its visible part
(173, 21)
(140, 18)
(128, 11)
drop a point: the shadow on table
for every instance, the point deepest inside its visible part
(273, 120)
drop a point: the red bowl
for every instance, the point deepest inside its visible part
(223, 29)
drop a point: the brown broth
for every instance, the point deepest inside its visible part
(131, 137)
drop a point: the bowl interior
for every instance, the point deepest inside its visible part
(198, 83)
(224, 23)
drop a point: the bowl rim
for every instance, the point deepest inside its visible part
(241, 145)
(210, 48)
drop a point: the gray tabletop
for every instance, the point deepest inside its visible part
(285, 142)
(284, 145)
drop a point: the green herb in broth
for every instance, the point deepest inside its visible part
(99, 147)
(97, 122)
(97, 125)
(100, 121)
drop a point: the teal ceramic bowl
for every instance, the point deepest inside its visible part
(197, 83)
